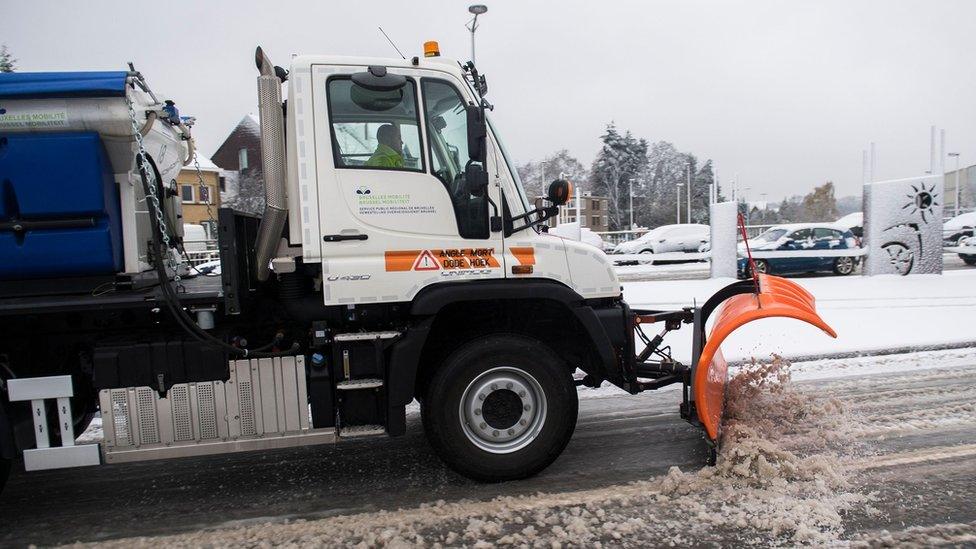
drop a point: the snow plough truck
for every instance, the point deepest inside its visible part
(398, 258)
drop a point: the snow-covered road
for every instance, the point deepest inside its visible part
(861, 449)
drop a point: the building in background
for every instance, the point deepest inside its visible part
(593, 209)
(239, 153)
(196, 198)
(967, 191)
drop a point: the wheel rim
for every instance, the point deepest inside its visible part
(761, 266)
(845, 265)
(502, 410)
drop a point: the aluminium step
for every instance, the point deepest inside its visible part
(358, 431)
(359, 384)
(365, 336)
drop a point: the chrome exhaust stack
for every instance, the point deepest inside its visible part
(272, 164)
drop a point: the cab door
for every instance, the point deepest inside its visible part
(395, 217)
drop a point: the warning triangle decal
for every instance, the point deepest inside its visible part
(426, 262)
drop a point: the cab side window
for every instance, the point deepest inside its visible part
(447, 136)
(375, 129)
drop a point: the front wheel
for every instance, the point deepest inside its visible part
(501, 407)
(5, 466)
(844, 266)
(968, 259)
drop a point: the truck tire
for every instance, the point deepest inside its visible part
(7, 445)
(5, 465)
(501, 407)
(968, 259)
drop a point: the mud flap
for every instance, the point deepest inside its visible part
(736, 305)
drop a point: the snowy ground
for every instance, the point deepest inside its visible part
(860, 452)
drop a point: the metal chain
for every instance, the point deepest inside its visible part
(210, 214)
(153, 198)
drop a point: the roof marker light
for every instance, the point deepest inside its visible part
(432, 49)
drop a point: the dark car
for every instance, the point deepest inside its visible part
(799, 238)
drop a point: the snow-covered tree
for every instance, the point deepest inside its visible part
(536, 176)
(6, 59)
(621, 158)
(791, 210)
(669, 168)
(250, 193)
(702, 180)
(820, 205)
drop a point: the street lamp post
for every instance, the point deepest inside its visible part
(631, 192)
(678, 204)
(689, 193)
(476, 10)
(579, 211)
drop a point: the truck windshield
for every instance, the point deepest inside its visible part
(511, 167)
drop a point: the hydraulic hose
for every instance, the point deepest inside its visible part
(172, 300)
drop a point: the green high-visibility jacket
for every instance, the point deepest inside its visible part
(385, 157)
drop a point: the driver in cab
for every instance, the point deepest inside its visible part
(389, 150)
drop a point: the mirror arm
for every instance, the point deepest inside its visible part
(547, 213)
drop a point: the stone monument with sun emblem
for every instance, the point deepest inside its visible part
(903, 226)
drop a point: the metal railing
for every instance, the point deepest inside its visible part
(616, 237)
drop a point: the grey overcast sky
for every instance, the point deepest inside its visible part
(786, 94)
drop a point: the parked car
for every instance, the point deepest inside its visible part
(957, 228)
(853, 222)
(666, 238)
(194, 238)
(801, 237)
(968, 243)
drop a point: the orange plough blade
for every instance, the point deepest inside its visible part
(777, 297)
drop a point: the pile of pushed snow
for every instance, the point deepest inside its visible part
(782, 469)
(781, 478)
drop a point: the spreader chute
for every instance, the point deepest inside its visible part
(767, 296)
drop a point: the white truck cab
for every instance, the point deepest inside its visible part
(384, 231)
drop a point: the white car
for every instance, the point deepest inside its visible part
(958, 227)
(667, 238)
(853, 222)
(194, 238)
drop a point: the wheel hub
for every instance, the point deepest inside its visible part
(502, 410)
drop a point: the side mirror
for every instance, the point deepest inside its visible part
(560, 191)
(477, 134)
(475, 179)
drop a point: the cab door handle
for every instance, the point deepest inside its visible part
(341, 237)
